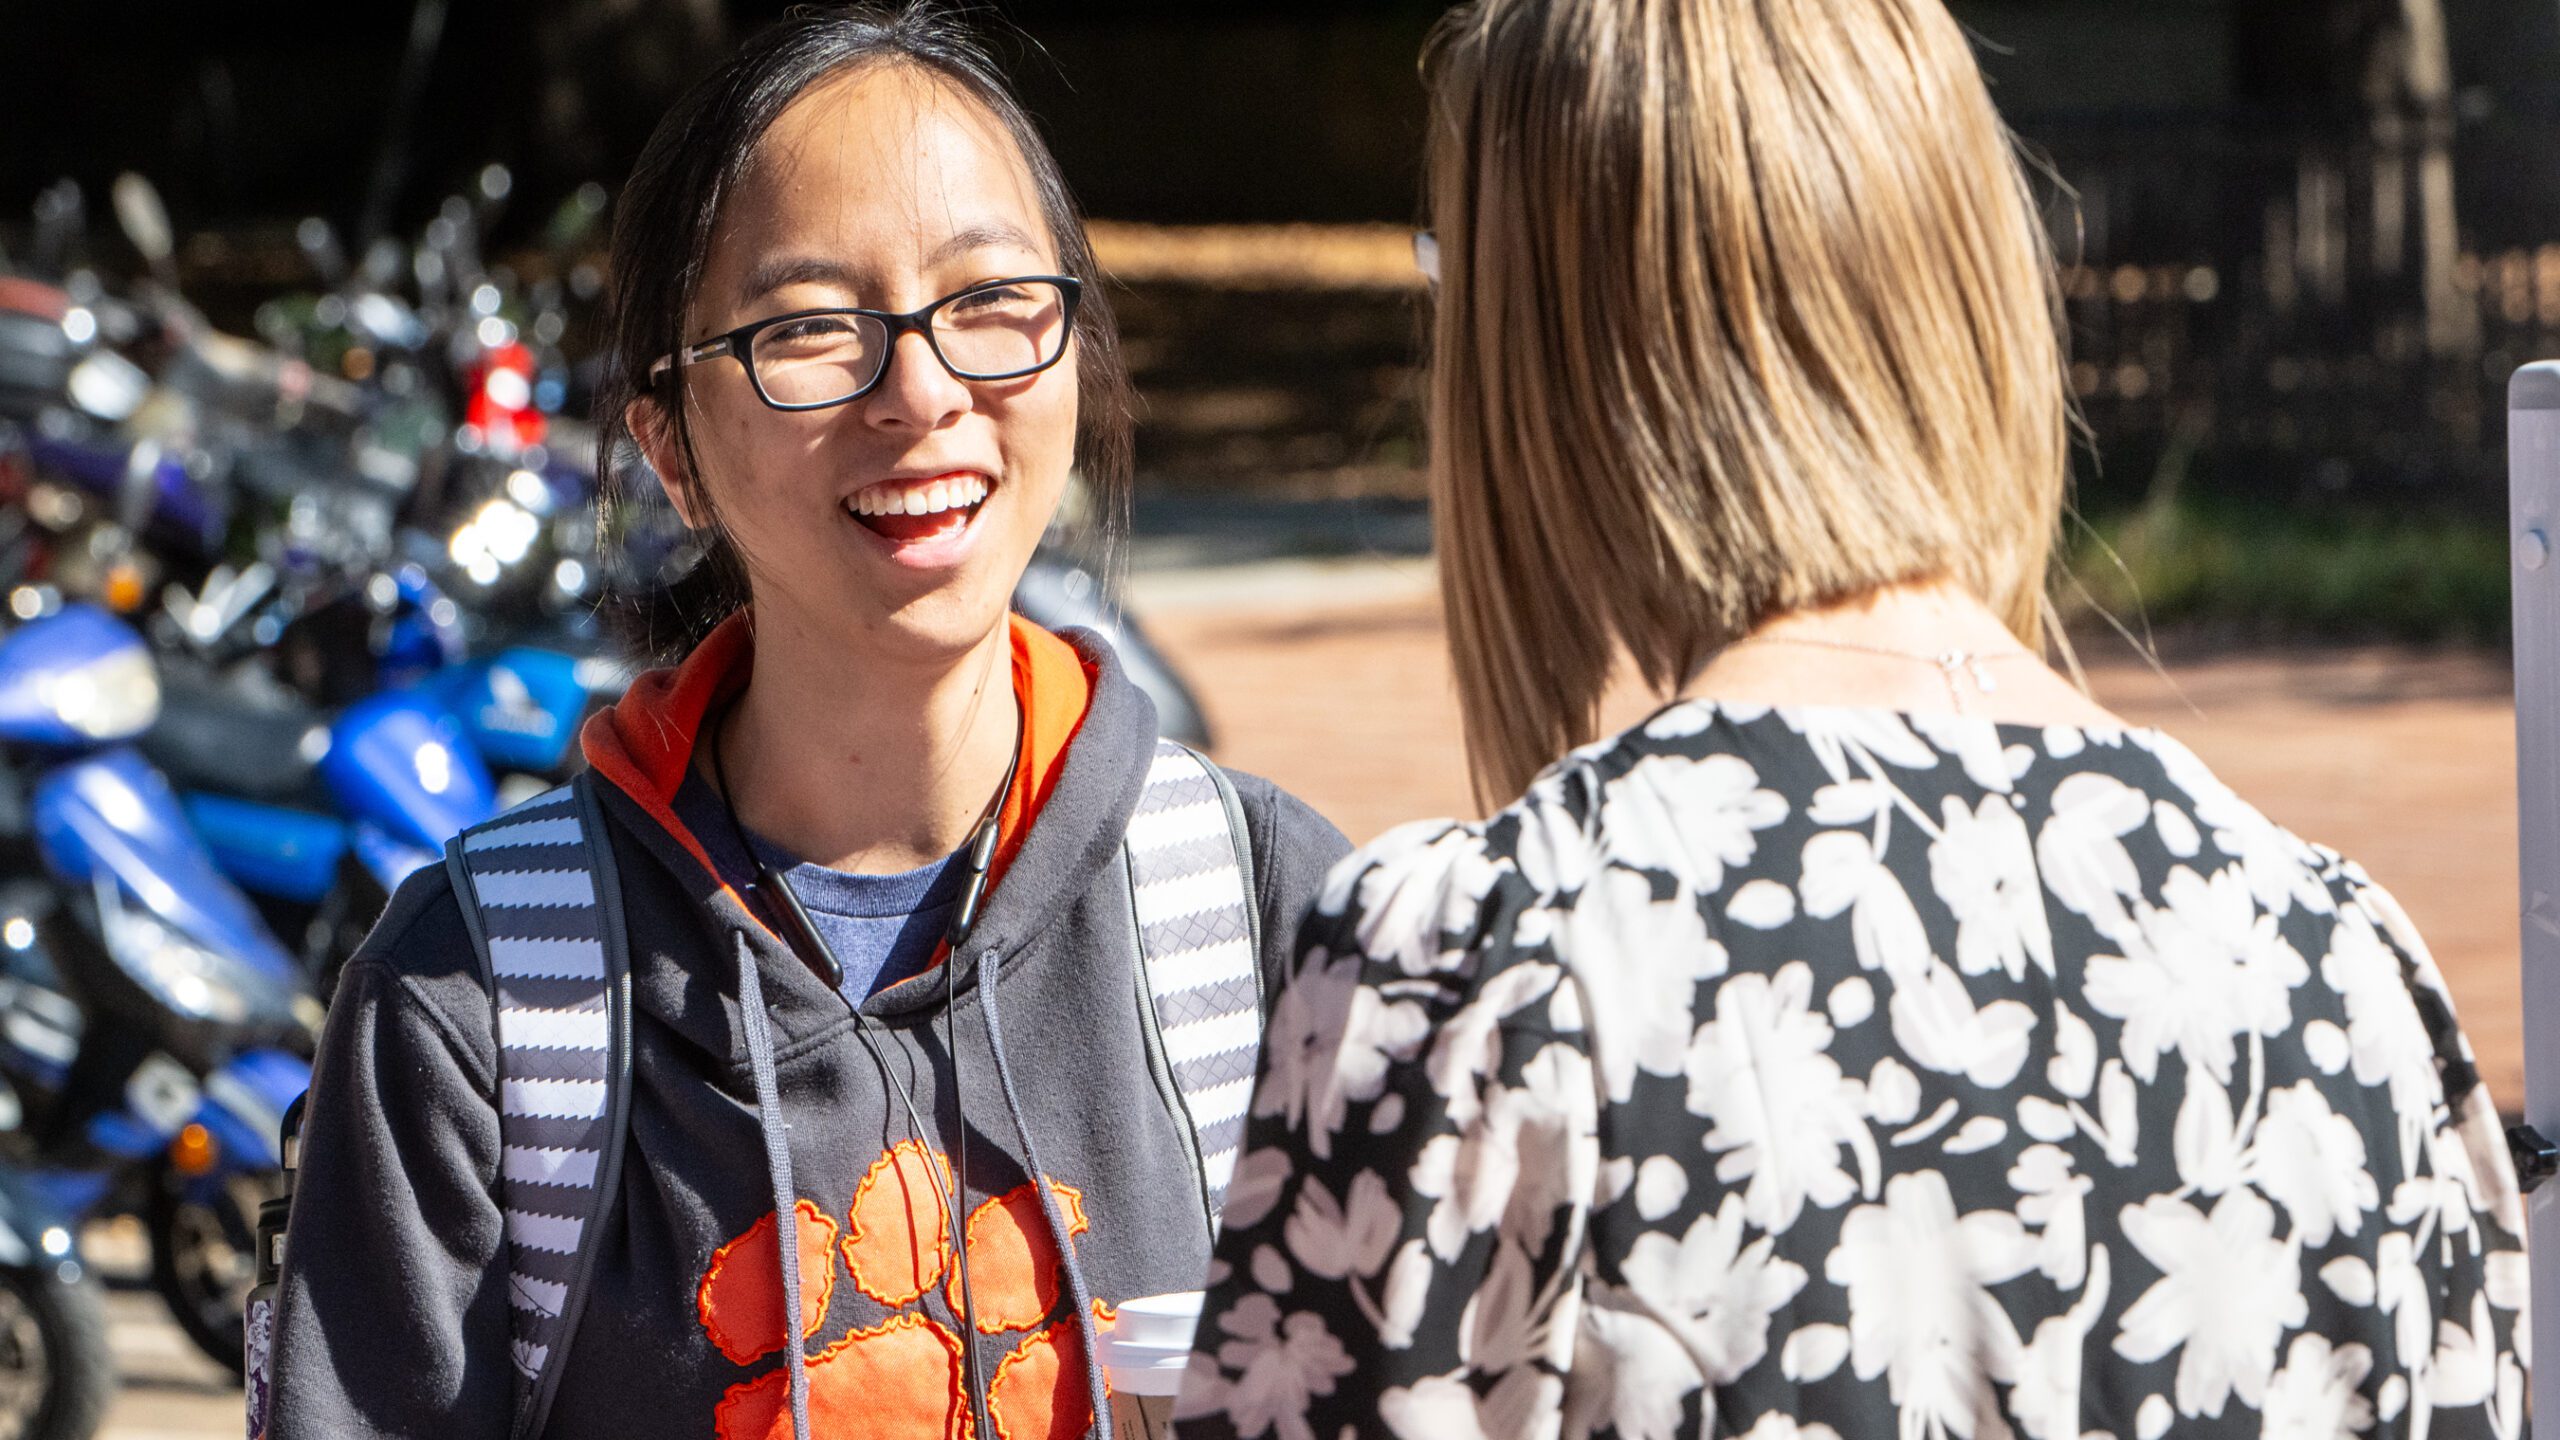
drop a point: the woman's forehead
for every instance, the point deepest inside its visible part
(889, 170)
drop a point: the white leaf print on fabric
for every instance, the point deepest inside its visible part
(1812, 1352)
(1850, 802)
(1837, 733)
(2311, 1160)
(2178, 834)
(1272, 1272)
(1782, 1111)
(2073, 1070)
(1531, 1149)
(1661, 1185)
(1653, 954)
(1851, 1002)
(1334, 1239)
(2400, 1291)
(1935, 1022)
(1893, 1093)
(2227, 1292)
(1984, 868)
(2465, 1368)
(1714, 1291)
(2350, 1278)
(2053, 1201)
(1709, 811)
(1446, 1407)
(1499, 1327)
(1307, 1029)
(2119, 1114)
(2319, 1394)
(1919, 1311)
(1436, 887)
(2152, 1420)
(1402, 1299)
(2198, 969)
(1975, 744)
(1977, 1134)
(1261, 1179)
(2080, 851)
(1841, 872)
(2387, 1042)
(2206, 1141)
(2046, 1399)
(1469, 1043)
(1762, 905)
(1276, 1366)
(1633, 1374)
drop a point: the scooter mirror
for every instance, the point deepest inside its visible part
(146, 224)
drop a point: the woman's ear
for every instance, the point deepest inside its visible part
(654, 431)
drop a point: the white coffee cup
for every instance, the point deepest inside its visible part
(1144, 1354)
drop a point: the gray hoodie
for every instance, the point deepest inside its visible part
(393, 1317)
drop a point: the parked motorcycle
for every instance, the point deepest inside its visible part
(151, 1029)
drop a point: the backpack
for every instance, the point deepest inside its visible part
(541, 898)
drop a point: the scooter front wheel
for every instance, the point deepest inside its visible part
(204, 1255)
(55, 1372)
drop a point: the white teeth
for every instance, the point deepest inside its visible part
(930, 499)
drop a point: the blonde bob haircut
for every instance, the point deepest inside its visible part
(1745, 306)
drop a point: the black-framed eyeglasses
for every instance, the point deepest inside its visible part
(811, 359)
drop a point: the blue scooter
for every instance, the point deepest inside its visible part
(152, 1030)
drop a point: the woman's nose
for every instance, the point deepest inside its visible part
(917, 393)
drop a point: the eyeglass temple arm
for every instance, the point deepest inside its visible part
(711, 349)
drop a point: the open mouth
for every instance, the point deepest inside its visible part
(907, 511)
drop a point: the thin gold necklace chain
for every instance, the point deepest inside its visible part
(1970, 664)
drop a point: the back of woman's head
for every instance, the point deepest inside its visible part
(1745, 307)
(669, 214)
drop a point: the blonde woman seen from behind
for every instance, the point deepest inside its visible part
(1881, 1038)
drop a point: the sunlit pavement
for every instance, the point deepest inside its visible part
(169, 1390)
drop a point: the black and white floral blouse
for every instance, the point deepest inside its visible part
(1842, 1073)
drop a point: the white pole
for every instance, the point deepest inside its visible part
(2533, 504)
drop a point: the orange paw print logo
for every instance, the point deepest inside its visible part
(893, 1367)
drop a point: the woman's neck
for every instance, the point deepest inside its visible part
(871, 765)
(1923, 647)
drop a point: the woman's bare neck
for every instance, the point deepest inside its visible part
(1928, 647)
(860, 762)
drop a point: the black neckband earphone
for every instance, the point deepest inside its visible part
(802, 935)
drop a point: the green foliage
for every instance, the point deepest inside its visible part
(2257, 570)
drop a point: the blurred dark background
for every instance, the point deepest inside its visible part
(2305, 240)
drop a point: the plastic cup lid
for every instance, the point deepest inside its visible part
(1159, 1321)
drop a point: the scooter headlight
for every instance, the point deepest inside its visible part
(114, 697)
(196, 982)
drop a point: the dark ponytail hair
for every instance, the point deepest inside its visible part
(662, 240)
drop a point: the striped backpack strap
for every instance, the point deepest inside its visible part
(1200, 951)
(538, 892)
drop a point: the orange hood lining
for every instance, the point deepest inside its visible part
(645, 743)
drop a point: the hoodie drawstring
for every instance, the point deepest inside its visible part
(777, 1164)
(1078, 1289)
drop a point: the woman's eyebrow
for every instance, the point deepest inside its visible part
(978, 237)
(774, 273)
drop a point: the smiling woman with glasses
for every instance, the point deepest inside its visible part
(901, 876)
